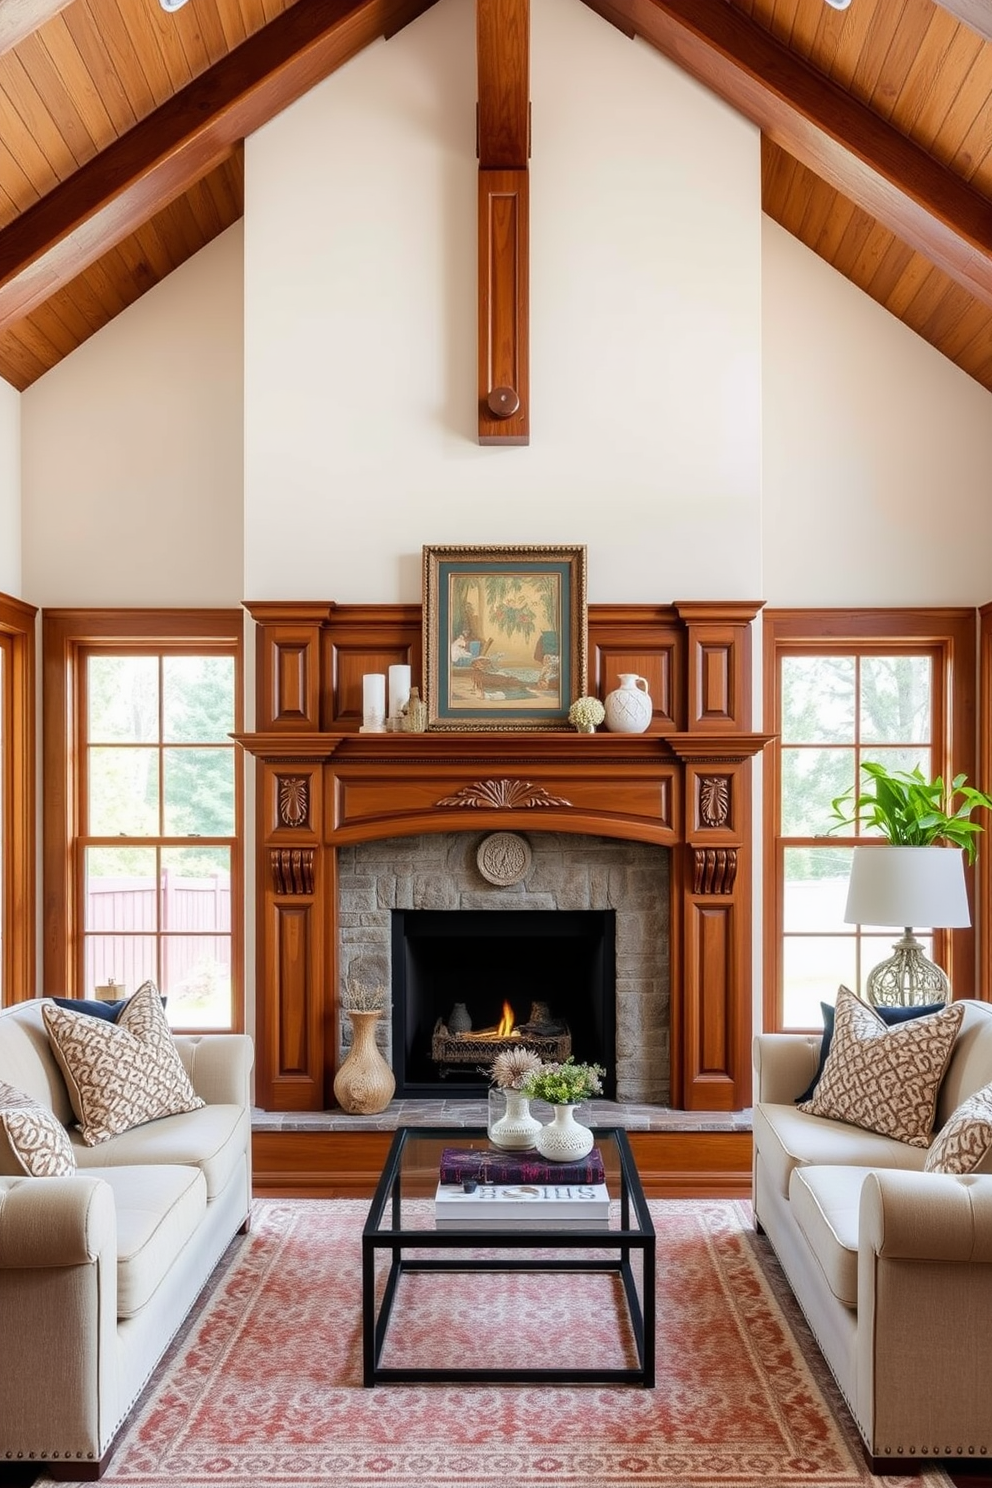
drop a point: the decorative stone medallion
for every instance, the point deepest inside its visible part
(503, 858)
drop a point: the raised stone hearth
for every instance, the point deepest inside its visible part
(440, 872)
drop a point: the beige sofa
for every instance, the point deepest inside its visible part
(99, 1269)
(891, 1265)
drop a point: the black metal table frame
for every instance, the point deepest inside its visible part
(623, 1240)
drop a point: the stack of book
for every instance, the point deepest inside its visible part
(498, 1190)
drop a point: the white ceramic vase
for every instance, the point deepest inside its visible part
(564, 1139)
(628, 707)
(516, 1130)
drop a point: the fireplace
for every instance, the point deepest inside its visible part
(593, 914)
(327, 793)
(485, 962)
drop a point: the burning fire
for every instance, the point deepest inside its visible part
(504, 1029)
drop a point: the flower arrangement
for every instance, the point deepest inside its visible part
(586, 713)
(362, 998)
(564, 1084)
(512, 1068)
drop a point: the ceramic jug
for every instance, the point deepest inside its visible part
(628, 707)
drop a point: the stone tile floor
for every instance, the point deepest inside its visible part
(466, 1111)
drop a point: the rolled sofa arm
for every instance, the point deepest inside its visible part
(784, 1063)
(55, 1222)
(927, 1216)
(219, 1066)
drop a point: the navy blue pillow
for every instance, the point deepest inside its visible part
(108, 1011)
(889, 1015)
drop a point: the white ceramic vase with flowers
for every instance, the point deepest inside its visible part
(516, 1129)
(563, 1086)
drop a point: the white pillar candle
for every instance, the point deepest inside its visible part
(399, 689)
(373, 703)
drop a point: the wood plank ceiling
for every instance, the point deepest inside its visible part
(121, 130)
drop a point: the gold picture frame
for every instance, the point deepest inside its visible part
(505, 636)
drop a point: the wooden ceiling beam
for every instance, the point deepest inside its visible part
(157, 160)
(861, 156)
(503, 50)
(977, 14)
(18, 18)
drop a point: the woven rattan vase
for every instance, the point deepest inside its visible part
(364, 1084)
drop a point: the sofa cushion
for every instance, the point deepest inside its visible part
(33, 1140)
(121, 1074)
(885, 1079)
(889, 1015)
(964, 1143)
(824, 1203)
(971, 1063)
(787, 1138)
(213, 1138)
(158, 1211)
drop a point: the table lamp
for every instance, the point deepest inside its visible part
(907, 886)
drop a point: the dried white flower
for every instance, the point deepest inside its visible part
(586, 711)
(513, 1067)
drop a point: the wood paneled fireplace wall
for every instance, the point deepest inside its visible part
(322, 785)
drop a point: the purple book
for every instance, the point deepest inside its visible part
(459, 1163)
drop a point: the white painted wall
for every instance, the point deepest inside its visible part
(133, 450)
(360, 331)
(10, 490)
(877, 450)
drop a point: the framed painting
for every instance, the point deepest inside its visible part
(504, 636)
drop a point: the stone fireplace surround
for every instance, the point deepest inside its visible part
(439, 871)
(323, 788)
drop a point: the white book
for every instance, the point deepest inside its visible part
(522, 1203)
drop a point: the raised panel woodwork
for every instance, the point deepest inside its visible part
(287, 666)
(17, 800)
(712, 991)
(648, 640)
(367, 638)
(504, 315)
(351, 665)
(719, 669)
(348, 1164)
(289, 1017)
(641, 804)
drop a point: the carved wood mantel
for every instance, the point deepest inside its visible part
(684, 784)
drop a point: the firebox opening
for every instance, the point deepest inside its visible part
(565, 959)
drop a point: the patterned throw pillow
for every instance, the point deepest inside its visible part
(964, 1142)
(888, 1015)
(120, 1074)
(33, 1140)
(885, 1079)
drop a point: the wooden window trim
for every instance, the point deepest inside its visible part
(984, 862)
(951, 635)
(66, 636)
(19, 908)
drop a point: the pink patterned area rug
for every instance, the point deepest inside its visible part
(263, 1388)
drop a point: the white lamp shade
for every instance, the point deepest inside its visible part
(907, 886)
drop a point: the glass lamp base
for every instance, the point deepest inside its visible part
(907, 978)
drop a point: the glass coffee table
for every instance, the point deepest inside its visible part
(400, 1229)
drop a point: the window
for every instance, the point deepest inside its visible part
(153, 872)
(842, 688)
(17, 801)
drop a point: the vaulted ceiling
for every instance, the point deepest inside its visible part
(122, 125)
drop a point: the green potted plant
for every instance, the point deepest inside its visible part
(910, 811)
(914, 875)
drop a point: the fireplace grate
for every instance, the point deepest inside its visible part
(452, 1051)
